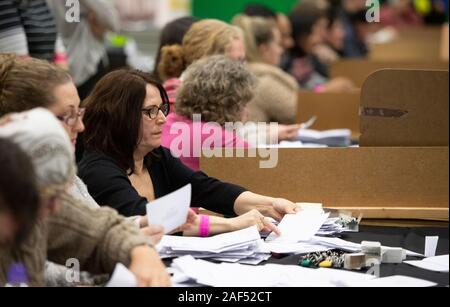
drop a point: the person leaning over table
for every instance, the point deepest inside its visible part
(125, 166)
(98, 239)
(59, 95)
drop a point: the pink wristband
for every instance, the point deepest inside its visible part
(204, 226)
(60, 58)
(319, 89)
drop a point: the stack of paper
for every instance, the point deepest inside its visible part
(299, 235)
(243, 246)
(189, 270)
(330, 227)
(336, 138)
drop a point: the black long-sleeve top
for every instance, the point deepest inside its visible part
(109, 185)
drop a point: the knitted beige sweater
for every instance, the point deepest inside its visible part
(98, 239)
(276, 95)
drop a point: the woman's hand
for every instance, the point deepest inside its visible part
(148, 268)
(275, 208)
(339, 85)
(192, 221)
(154, 232)
(281, 206)
(287, 132)
(253, 218)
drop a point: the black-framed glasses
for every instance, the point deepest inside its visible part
(72, 118)
(153, 111)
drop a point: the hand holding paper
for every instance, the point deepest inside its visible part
(170, 211)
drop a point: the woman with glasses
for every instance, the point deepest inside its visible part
(125, 166)
(66, 229)
(32, 83)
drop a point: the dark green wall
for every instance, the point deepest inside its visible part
(226, 9)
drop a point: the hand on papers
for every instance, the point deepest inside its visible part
(155, 232)
(287, 132)
(192, 221)
(148, 268)
(254, 218)
(280, 207)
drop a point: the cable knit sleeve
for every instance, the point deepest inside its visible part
(98, 239)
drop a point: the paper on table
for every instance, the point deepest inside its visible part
(170, 211)
(122, 277)
(295, 248)
(431, 246)
(393, 282)
(270, 275)
(212, 244)
(337, 243)
(299, 227)
(436, 264)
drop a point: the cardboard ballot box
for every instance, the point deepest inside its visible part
(405, 108)
(395, 179)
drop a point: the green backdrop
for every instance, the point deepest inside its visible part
(226, 9)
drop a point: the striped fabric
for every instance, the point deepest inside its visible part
(27, 27)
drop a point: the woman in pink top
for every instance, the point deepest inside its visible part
(214, 92)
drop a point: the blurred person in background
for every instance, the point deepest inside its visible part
(399, 14)
(277, 92)
(310, 24)
(172, 34)
(27, 28)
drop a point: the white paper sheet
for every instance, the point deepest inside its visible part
(431, 244)
(394, 282)
(270, 275)
(299, 227)
(122, 277)
(170, 211)
(436, 264)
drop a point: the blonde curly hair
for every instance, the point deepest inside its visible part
(216, 87)
(206, 37)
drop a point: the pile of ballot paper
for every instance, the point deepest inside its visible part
(188, 271)
(332, 138)
(244, 246)
(331, 227)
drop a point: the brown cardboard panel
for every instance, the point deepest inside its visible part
(359, 70)
(421, 213)
(445, 43)
(422, 95)
(411, 44)
(333, 110)
(384, 179)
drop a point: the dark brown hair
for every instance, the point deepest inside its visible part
(114, 113)
(19, 194)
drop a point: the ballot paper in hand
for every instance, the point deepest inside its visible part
(299, 227)
(170, 211)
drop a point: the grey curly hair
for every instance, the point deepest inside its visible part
(216, 87)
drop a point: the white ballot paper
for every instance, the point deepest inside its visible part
(122, 277)
(299, 227)
(170, 211)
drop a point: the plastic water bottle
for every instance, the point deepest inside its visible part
(17, 276)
